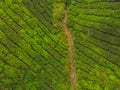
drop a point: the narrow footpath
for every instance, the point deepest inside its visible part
(72, 70)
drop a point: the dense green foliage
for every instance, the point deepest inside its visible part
(96, 30)
(33, 48)
(32, 53)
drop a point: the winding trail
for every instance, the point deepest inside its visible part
(72, 63)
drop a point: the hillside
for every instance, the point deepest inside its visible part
(59, 45)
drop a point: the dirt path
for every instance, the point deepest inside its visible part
(70, 53)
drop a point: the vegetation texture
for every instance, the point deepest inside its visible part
(59, 45)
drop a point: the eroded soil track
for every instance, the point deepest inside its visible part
(70, 53)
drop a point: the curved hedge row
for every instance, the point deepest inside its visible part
(95, 26)
(32, 55)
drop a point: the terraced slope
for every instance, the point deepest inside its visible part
(95, 27)
(59, 45)
(32, 53)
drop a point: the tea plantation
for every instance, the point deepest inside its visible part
(59, 45)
